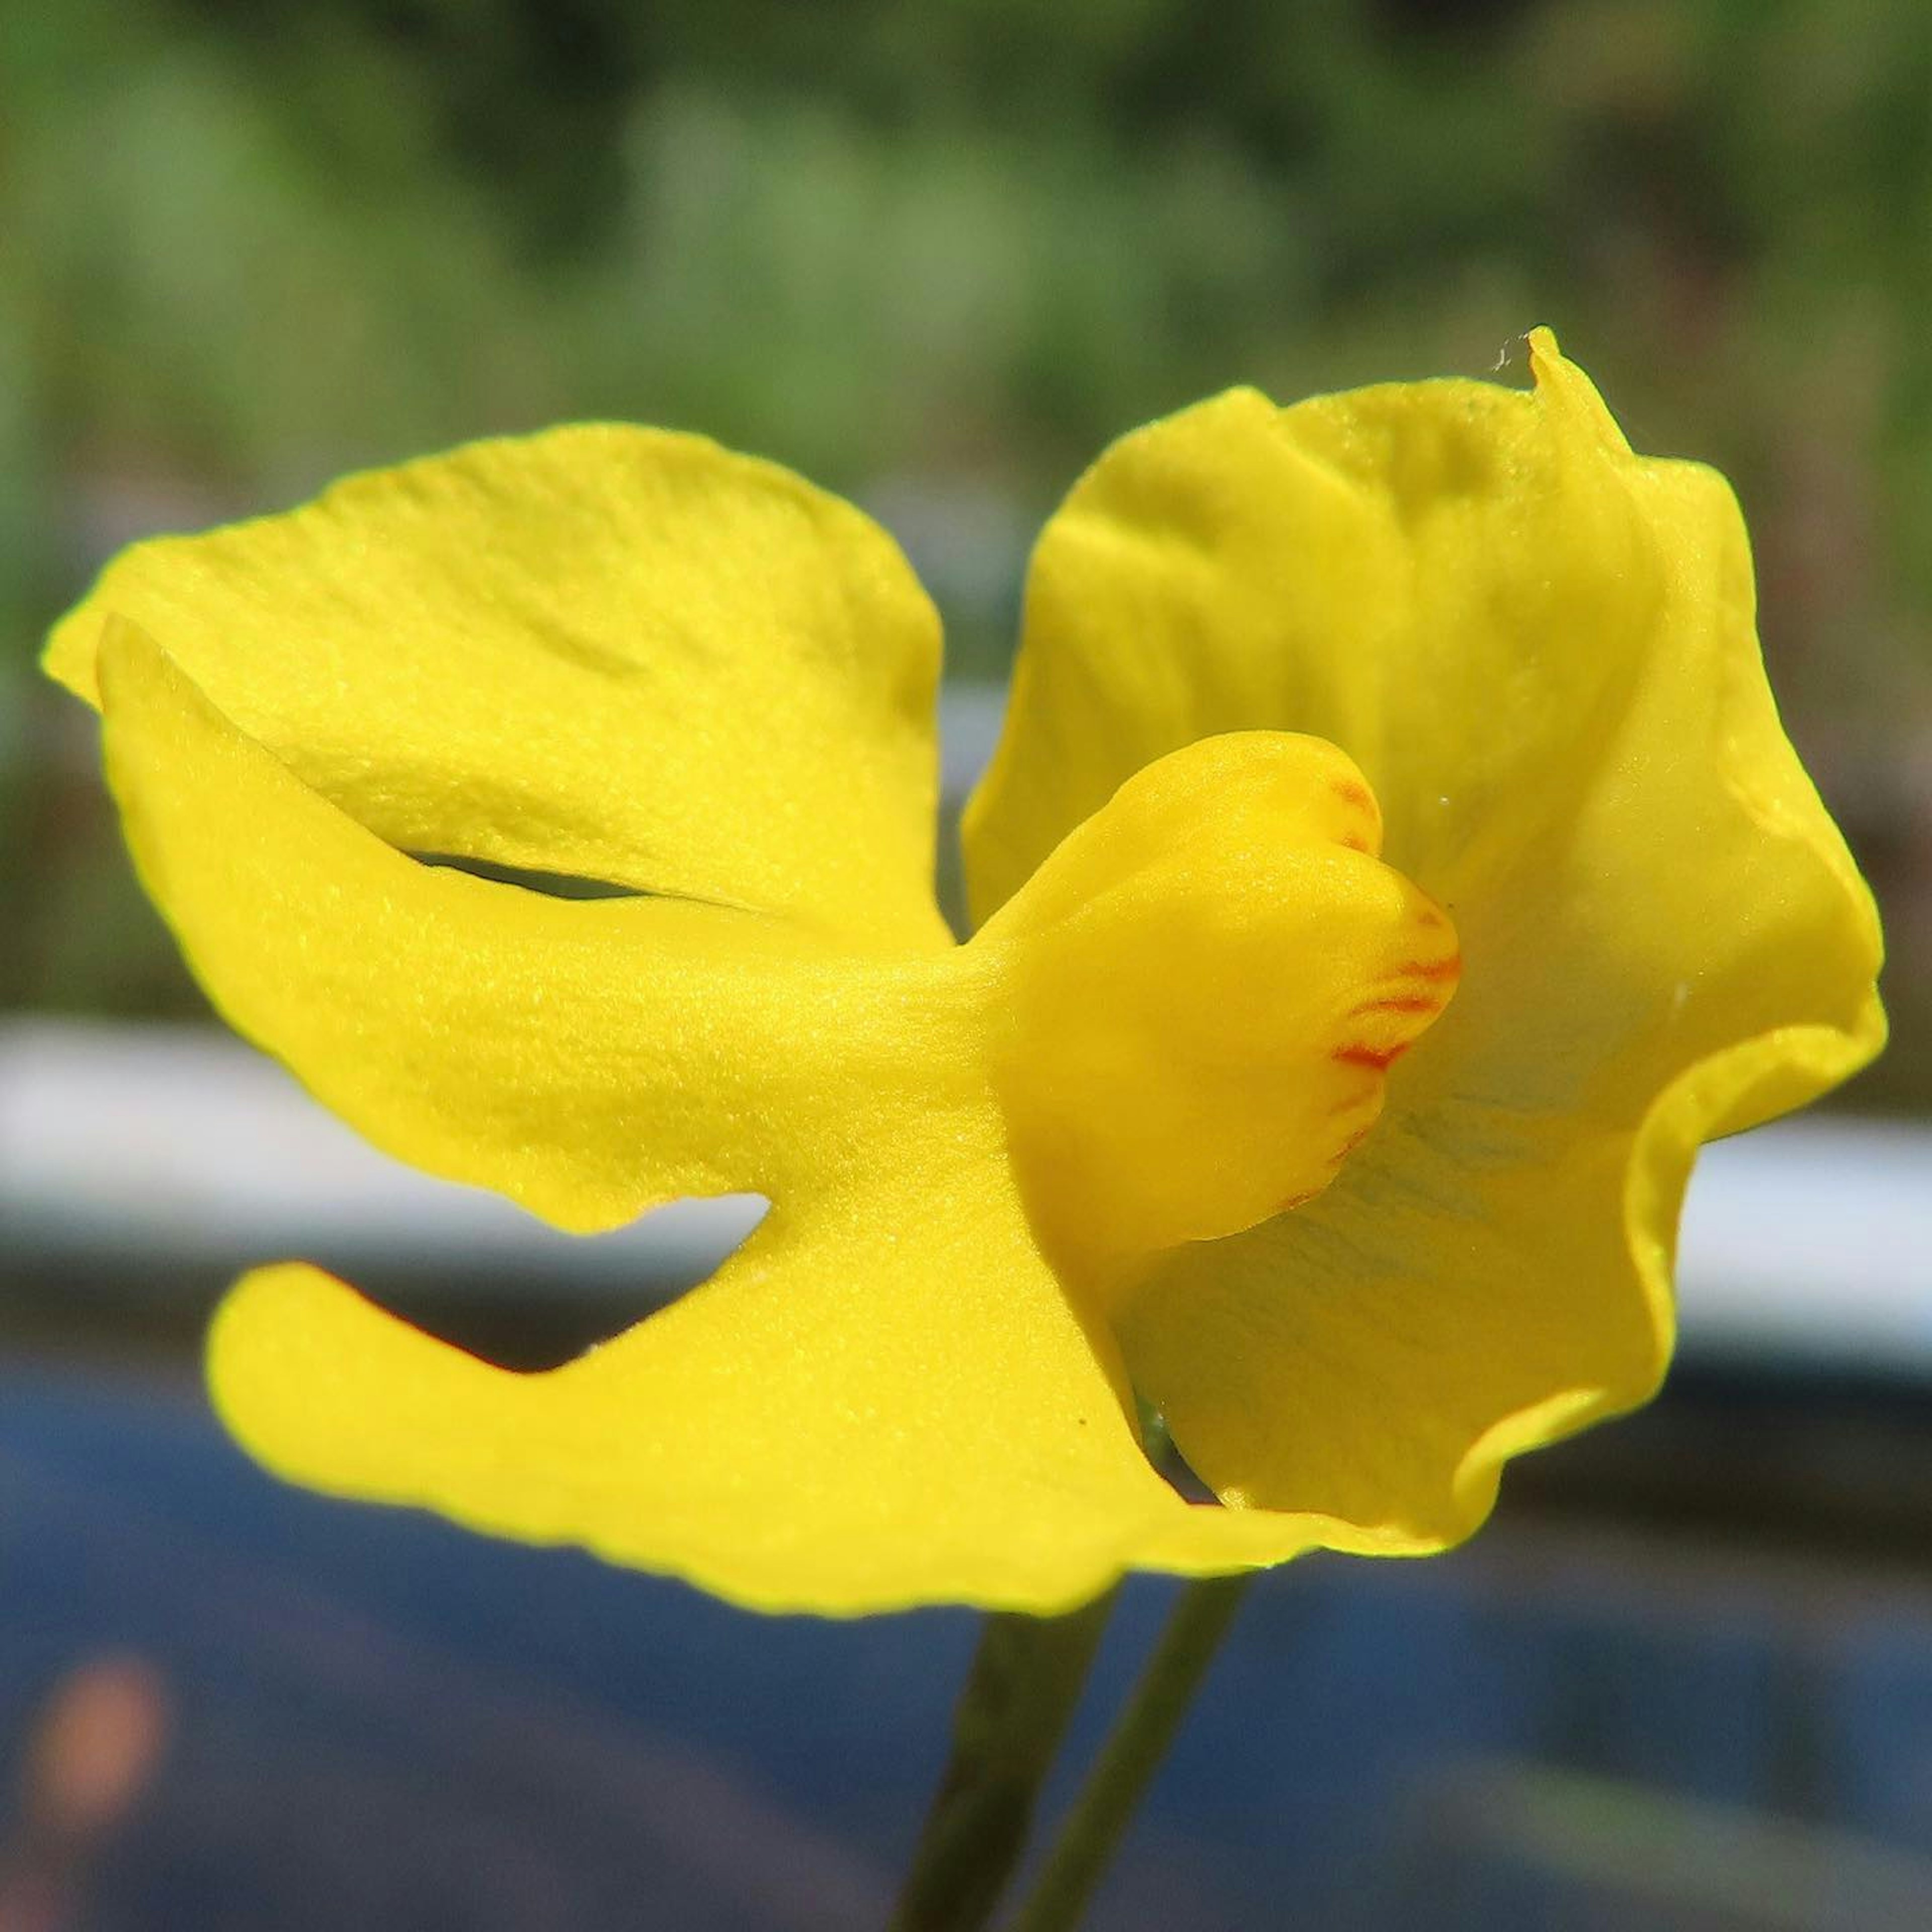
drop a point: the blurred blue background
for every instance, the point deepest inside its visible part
(935, 255)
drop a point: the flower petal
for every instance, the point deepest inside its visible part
(1540, 648)
(606, 651)
(1375, 1359)
(1470, 589)
(587, 1059)
(866, 1408)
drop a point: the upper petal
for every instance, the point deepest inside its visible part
(1467, 588)
(602, 650)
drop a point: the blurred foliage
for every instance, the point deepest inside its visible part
(936, 255)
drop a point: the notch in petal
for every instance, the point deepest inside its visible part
(863, 1411)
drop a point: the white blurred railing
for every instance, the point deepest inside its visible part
(131, 1146)
(135, 1149)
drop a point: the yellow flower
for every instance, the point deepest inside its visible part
(1125, 1138)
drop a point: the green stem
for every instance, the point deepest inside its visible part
(1026, 1677)
(1139, 1740)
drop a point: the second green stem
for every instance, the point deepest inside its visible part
(1134, 1748)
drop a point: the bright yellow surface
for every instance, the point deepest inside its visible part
(864, 1408)
(1012, 1180)
(606, 651)
(587, 1059)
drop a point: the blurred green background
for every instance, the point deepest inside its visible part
(936, 255)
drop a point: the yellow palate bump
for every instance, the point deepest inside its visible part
(1205, 985)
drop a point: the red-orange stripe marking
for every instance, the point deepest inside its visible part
(1451, 968)
(1377, 1056)
(1349, 1103)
